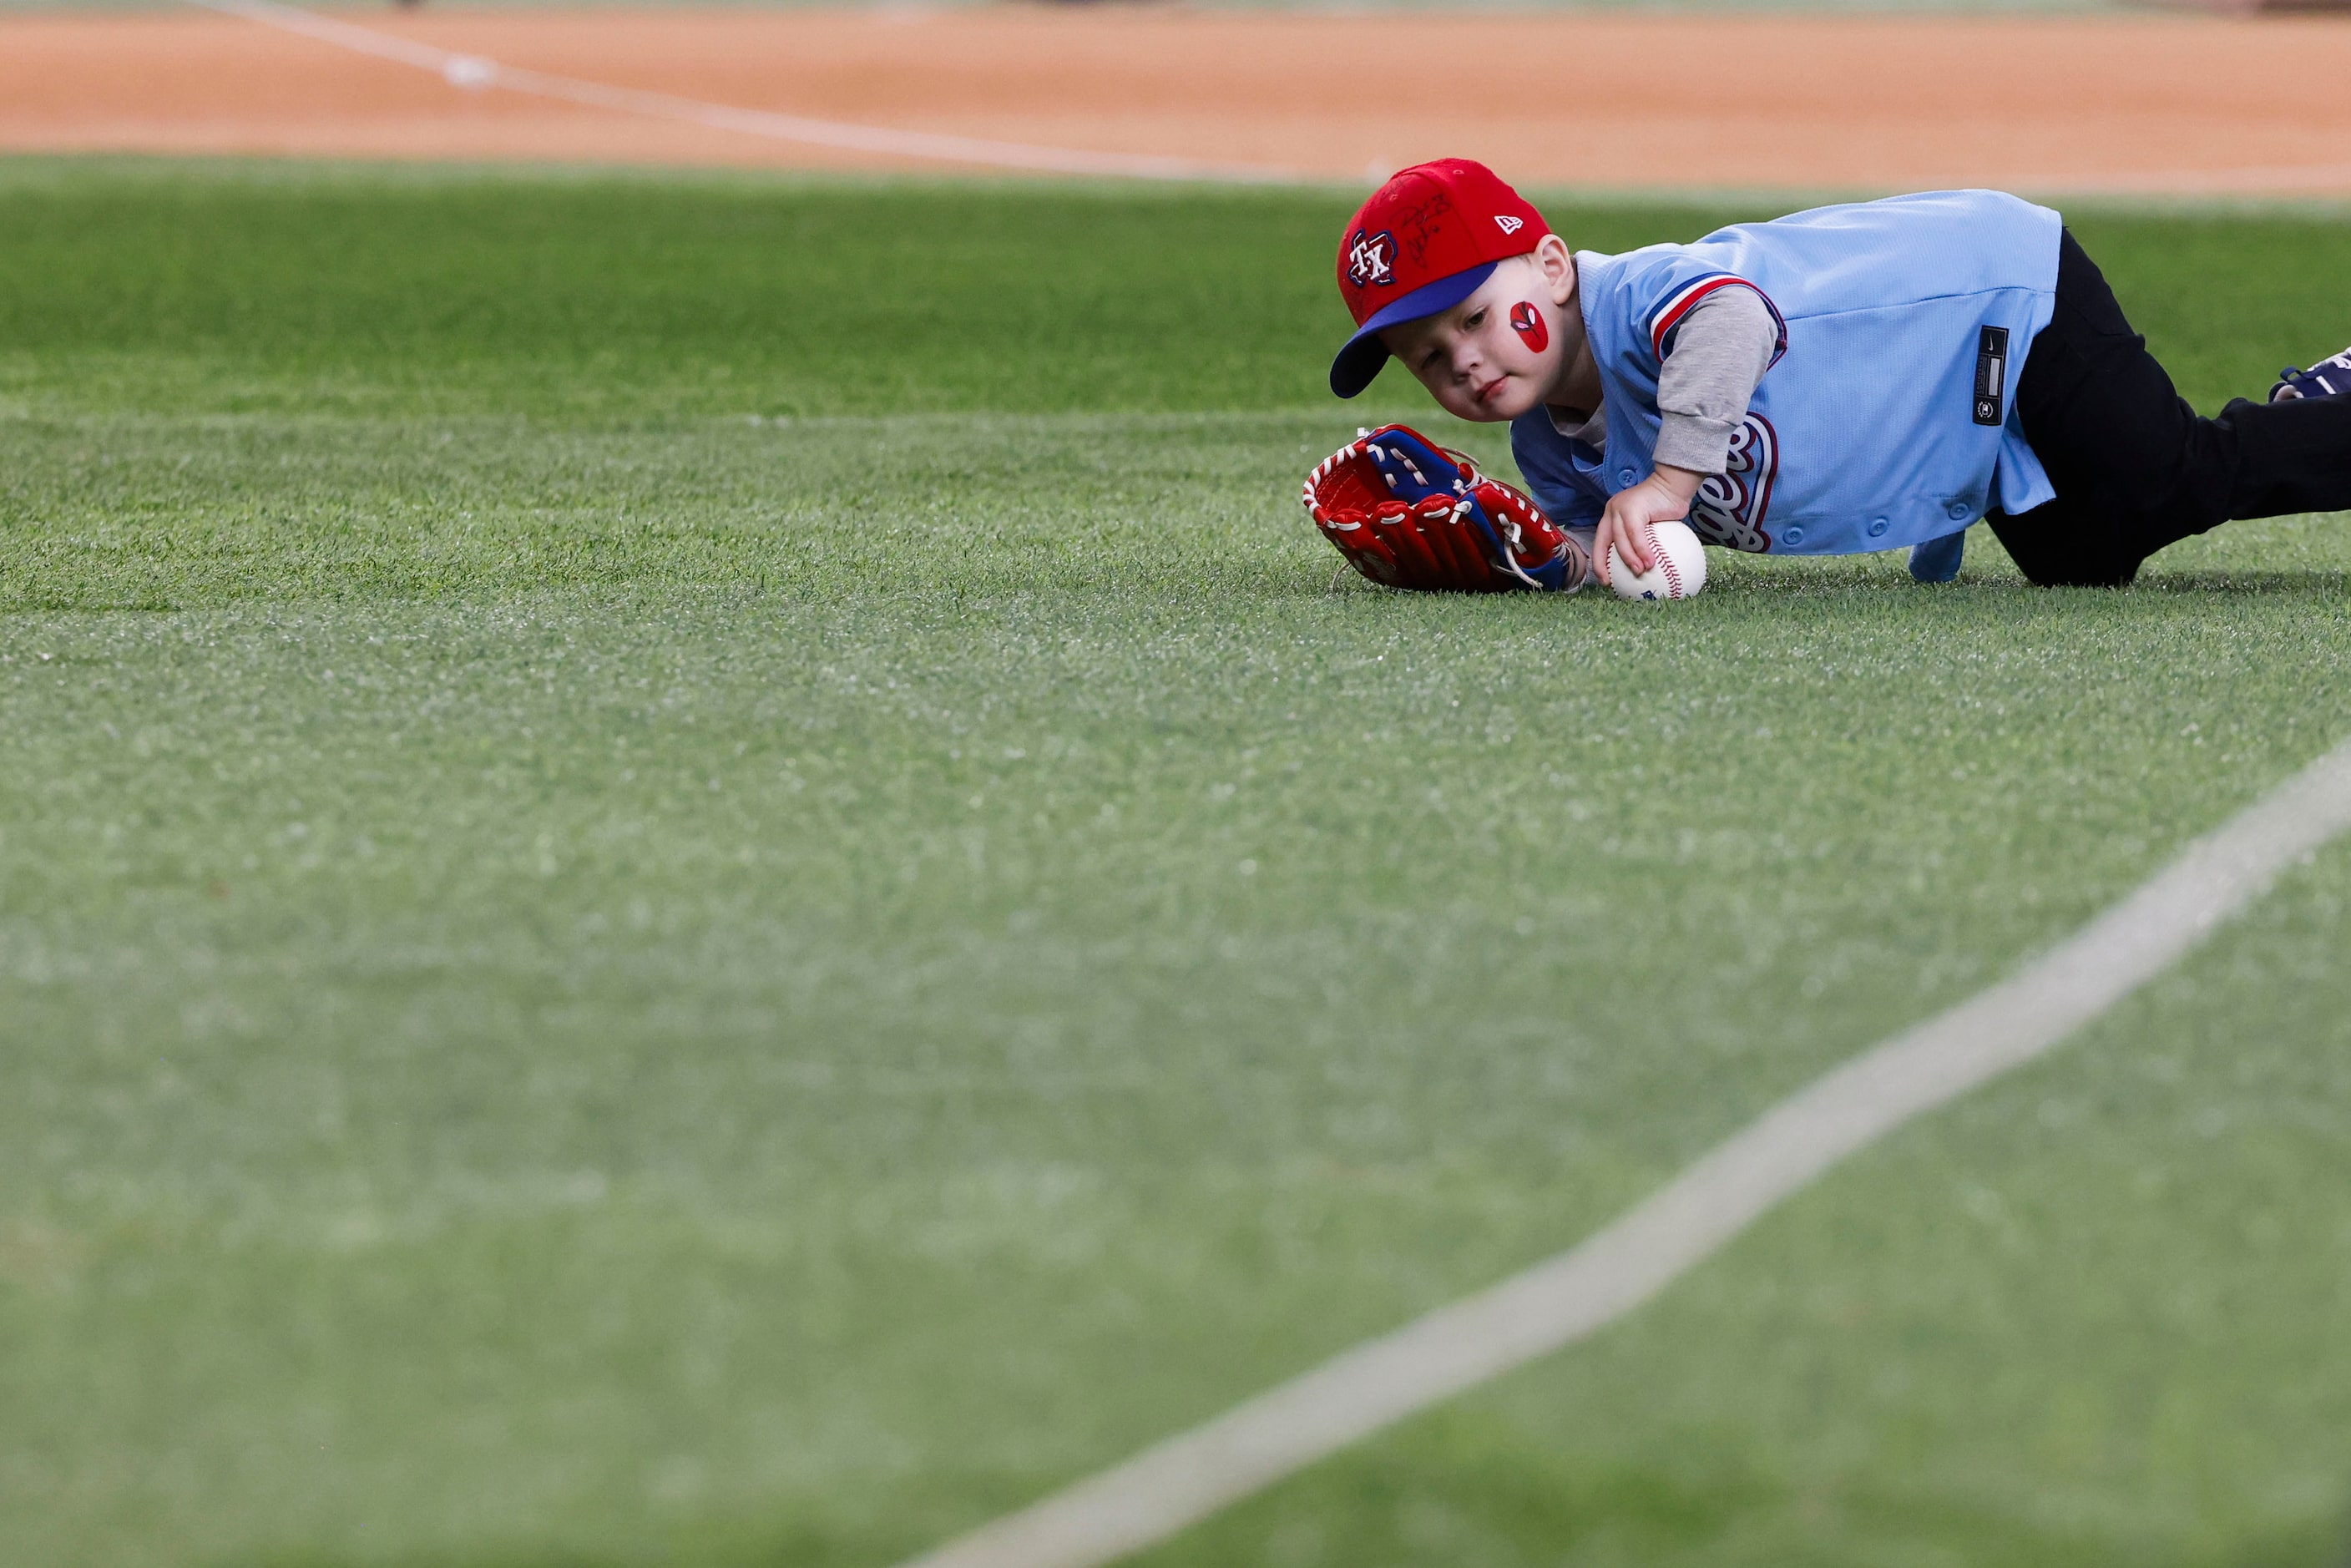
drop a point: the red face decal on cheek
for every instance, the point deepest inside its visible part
(1528, 322)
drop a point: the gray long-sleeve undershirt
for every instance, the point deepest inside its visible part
(1720, 351)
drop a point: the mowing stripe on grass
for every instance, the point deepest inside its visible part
(473, 73)
(1558, 1301)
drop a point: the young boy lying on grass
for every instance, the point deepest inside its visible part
(1850, 378)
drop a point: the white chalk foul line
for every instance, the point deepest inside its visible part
(474, 73)
(1194, 1474)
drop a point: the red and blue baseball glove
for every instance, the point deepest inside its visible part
(1411, 514)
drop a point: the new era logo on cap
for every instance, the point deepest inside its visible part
(1421, 244)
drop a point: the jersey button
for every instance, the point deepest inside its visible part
(1625, 475)
(1957, 510)
(1792, 536)
(1877, 526)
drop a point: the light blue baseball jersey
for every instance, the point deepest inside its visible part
(1888, 417)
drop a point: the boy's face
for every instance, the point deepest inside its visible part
(1502, 351)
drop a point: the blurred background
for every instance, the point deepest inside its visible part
(2074, 99)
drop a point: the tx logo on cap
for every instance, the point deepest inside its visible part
(1372, 259)
(1508, 224)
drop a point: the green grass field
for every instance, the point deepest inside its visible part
(696, 873)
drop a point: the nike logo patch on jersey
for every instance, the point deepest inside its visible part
(1991, 375)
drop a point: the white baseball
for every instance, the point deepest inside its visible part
(1680, 571)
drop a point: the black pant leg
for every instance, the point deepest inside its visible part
(2134, 467)
(2292, 456)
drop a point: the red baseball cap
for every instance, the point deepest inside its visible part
(1422, 243)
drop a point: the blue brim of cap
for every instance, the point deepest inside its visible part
(1360, 361)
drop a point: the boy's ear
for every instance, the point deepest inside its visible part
(1558, 266)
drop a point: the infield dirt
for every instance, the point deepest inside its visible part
(2155, 105)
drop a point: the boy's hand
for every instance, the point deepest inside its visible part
(1663, 496)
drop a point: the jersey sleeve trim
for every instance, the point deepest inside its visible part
(1667, 323)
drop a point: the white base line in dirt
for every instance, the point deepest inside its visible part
(473, 73)
(1194, 1474)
